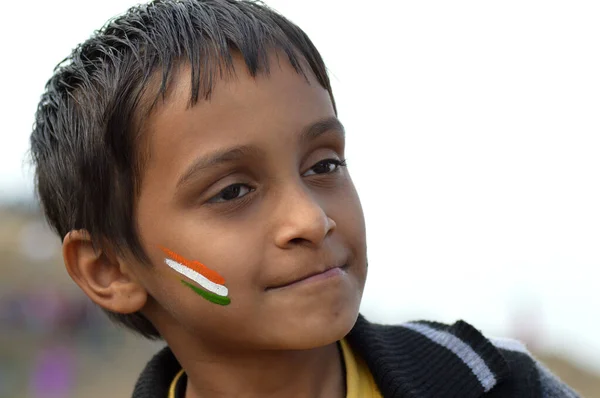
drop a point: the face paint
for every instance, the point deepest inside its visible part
(212, 284)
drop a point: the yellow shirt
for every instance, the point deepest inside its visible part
(174, 384)
(359, 380)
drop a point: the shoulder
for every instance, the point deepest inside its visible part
(530, 371)
(428, 359)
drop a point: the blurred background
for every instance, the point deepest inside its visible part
(473, 138)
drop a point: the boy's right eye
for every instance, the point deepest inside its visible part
(232, 192)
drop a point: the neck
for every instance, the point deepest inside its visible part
(311, 373)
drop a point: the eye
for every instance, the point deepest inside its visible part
(232, 192)
(325, 167)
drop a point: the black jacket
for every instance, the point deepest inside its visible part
(419, 360)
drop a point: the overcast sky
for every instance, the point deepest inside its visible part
(473, 138)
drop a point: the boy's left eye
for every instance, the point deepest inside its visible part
(325, 166)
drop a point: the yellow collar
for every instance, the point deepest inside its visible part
(359, 380)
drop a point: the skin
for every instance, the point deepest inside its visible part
(279, 210)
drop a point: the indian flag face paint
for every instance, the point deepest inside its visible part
(212, 285)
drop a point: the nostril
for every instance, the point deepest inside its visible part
(297, 241)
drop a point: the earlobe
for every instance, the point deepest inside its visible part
(104, 278)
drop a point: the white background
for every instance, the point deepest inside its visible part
(473, 138)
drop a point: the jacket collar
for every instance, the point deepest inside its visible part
(428, 359)
(417, 359)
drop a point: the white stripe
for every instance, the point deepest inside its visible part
(460, 349)
(198, 278)
(509, 345)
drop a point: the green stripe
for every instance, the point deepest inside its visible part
(213, 298)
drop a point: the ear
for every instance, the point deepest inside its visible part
(104, 278)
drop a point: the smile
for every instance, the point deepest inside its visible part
(318, 277)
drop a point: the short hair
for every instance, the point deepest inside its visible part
(84, 143)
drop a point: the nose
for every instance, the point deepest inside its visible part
(302, 221)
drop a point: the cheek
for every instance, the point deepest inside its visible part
(178, 303)
(233, 252)
(350, 223)
(349, 216)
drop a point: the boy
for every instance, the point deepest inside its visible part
(190, 155)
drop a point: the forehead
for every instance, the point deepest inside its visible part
(240, 108)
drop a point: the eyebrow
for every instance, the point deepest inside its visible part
(228, 155)
(330, 124)
(217, 158)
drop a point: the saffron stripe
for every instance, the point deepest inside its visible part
(197, 266)
(208, 295)
(198, 278)
(461, 350)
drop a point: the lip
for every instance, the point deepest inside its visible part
(313, 277)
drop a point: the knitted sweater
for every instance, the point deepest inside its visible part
(419, 360)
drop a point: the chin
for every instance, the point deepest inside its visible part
(324, 325)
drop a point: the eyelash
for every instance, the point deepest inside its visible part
(336, 162)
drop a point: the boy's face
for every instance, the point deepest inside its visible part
(248, 184)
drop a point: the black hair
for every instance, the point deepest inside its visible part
(85, 140)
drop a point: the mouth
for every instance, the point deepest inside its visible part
(314, 277)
